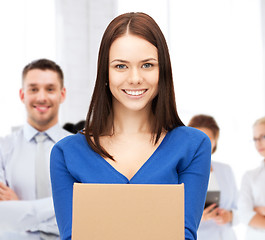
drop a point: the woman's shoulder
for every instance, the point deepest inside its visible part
(188, 138)
(188, 133)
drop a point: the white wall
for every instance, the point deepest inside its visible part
(27, 32)
(79, 31)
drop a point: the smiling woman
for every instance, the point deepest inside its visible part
(133, 134)
(133, 73)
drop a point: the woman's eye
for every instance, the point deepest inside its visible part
(121, 66)
(147, 65)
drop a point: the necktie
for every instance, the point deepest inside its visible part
(41, 168)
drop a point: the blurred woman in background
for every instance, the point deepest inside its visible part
(217, 221)
(251, 204)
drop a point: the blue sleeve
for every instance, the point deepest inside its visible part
(62, 191)
(195, 177)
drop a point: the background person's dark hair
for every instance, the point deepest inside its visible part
(74, 128)
(163, 105)
(44, 64)
(206, 121)
(69, 127)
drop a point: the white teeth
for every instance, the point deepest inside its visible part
(42, 107)
(134, 93)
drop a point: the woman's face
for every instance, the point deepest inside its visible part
(133, 73)
(210, 134)
(259, 138)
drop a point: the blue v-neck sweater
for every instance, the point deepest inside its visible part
(184, 156)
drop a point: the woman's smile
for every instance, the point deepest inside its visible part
(135, 92)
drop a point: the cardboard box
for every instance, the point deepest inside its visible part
(128, 212)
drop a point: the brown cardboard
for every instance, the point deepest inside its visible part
(128, 212)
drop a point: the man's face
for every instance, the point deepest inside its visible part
(42, 95)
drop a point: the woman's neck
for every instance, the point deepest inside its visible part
(130, 122)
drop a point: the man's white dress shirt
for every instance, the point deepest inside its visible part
(252, 194)
(17, 171)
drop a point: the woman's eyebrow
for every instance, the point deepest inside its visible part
(149, 59)
(124, 61)
(119, 60)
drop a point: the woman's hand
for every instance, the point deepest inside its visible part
(223, 216)
(210, 212)
(219, 215)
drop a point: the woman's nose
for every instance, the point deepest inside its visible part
(135, 76)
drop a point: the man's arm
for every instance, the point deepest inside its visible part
(20, 215)
(35, 215)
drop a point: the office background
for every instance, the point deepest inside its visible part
(217, 50)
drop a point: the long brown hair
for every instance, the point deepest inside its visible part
(163, 105)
